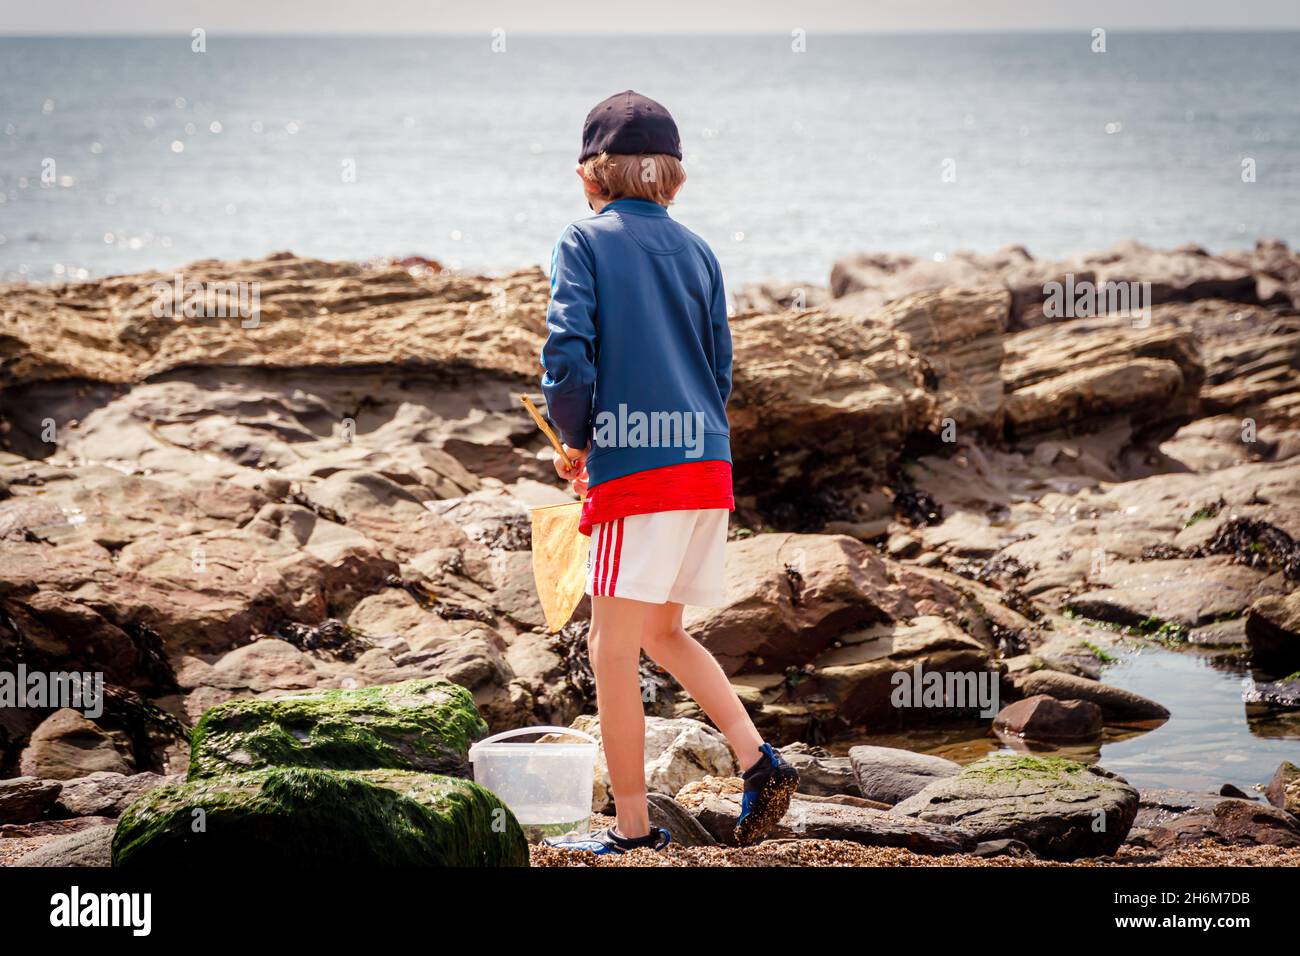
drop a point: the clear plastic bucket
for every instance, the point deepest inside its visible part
(547, 786)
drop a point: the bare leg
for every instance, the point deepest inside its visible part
(669, 646)
(614, 645)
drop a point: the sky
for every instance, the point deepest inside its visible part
(23, 17)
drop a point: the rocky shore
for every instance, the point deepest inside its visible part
(937, 473)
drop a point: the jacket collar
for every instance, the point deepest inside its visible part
(636, 206)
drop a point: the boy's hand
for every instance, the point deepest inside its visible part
(576, 475)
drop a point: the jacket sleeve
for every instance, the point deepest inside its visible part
(721, 335)
(569, 355)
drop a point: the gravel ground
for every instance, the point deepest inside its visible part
(845, 853)
(835, 853)
(791, 853)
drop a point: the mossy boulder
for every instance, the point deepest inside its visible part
(297, 816)
(421, 725)
(1061, 809)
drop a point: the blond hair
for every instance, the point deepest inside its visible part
(653, 176)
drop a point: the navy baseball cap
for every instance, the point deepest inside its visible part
(630, 124)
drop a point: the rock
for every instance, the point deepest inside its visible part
(497, 520)
(1084, 536)
(959, 330)
(826, 407)
(425, 725)
(214, 590)
(104, 794)
(92, 846)
(266, 665)
(515, 591)
(715, 803)
(370, 314)
(993, 849)
(363, 495)
(865, 282)
(24, 799)
(891, 776)
(51, 827)
(1186, 592)
(1093, 392)
(1116, 703)
(788, 596)
(295, 816)
(354, 566)
(1042, 717)
(1284, 789)
(1279, 693)
(902, 545)
(66, 745)
(678, 751)
(421, 642)
(1182, 274)
(1244, 822)
(60, 632)
(111, 509)
(1273, 264)
(1158, 806)
(1096, 367)
(821, 774)
(780, 296)
(684, 829)
(1273, 629)
(844, 800)
(903, 674)
(1061, 809)
(1230, 633)
(833, 610)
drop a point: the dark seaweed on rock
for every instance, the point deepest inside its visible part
(571, 644)
(329, 635)
(917, 507)
(1258, 544)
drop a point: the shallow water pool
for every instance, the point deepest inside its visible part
(1211, 738)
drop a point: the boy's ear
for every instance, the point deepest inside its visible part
(589, 185)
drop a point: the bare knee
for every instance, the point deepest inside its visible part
(662, 639)
(607, 649)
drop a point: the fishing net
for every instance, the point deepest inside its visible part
(559, 561)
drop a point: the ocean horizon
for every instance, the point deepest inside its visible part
(122, 154)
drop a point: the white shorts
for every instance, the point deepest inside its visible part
(676, 556)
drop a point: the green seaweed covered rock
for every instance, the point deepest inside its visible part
(424, 725)
(298, 816)
(1062, 809)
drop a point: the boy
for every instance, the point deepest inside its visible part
(637, 374)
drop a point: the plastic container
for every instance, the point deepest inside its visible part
(547, 786)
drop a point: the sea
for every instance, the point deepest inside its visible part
(136, 153)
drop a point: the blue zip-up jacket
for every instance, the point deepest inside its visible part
(638, 355)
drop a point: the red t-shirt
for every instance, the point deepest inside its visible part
(691, 486)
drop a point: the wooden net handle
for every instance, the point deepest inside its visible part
(546, 430)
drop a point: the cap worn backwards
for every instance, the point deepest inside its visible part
(629, 124)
